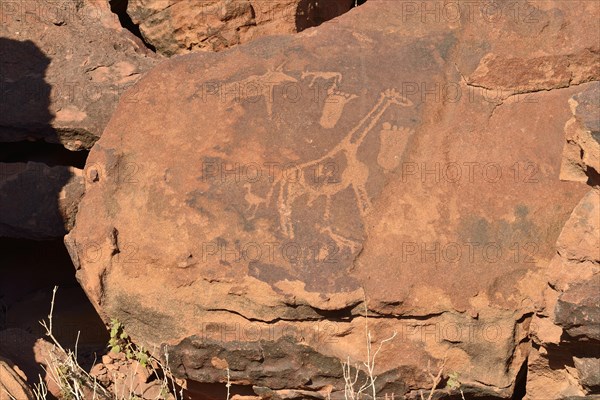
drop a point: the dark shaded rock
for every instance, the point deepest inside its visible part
(578, 309)
(63, 66)
(589, 372)
(38, 201)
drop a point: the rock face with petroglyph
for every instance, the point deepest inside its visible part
(299, 175)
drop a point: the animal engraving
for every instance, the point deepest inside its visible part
(257, 86)
(283, 193)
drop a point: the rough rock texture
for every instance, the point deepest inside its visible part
(35, 356)
(38, 201)
(565, 359)
(577, 310)
(581, 160)
(12, 382)
(181, 26)
(63, 66)
(411, 164)
(125, 375)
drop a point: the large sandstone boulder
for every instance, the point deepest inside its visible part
(412, 165)
(63, 67)
(181, 26)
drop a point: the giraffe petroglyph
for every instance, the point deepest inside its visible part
(284, 192)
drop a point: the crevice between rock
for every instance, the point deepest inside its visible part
(341, 315)
(521, 382)
(40, 151)
(119, 7)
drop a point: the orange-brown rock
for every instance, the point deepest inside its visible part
(412, 164)
(581, 157)
(12, 382)
(181, 26)
(63, 66)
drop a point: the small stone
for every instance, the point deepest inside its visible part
(98, 369)
(151, 390)
(120, 356)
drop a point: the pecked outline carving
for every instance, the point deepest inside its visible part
(355, 174)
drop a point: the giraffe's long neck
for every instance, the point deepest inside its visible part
(349, 143)
(358, 134)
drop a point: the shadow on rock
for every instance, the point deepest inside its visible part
(40, 186)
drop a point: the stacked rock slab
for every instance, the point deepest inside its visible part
(565, 358)
(387, 158)
(63, 66)
(178, 27)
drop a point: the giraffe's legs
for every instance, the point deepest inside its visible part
(269, 102)
(356, 174)
(328, 200)
(283, 210)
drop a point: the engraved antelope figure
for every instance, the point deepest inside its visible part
(354, 175)
(335, 76)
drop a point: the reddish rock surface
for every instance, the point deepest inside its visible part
(27, 353)
(411, 164)
(63, 66)
(181, 26)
